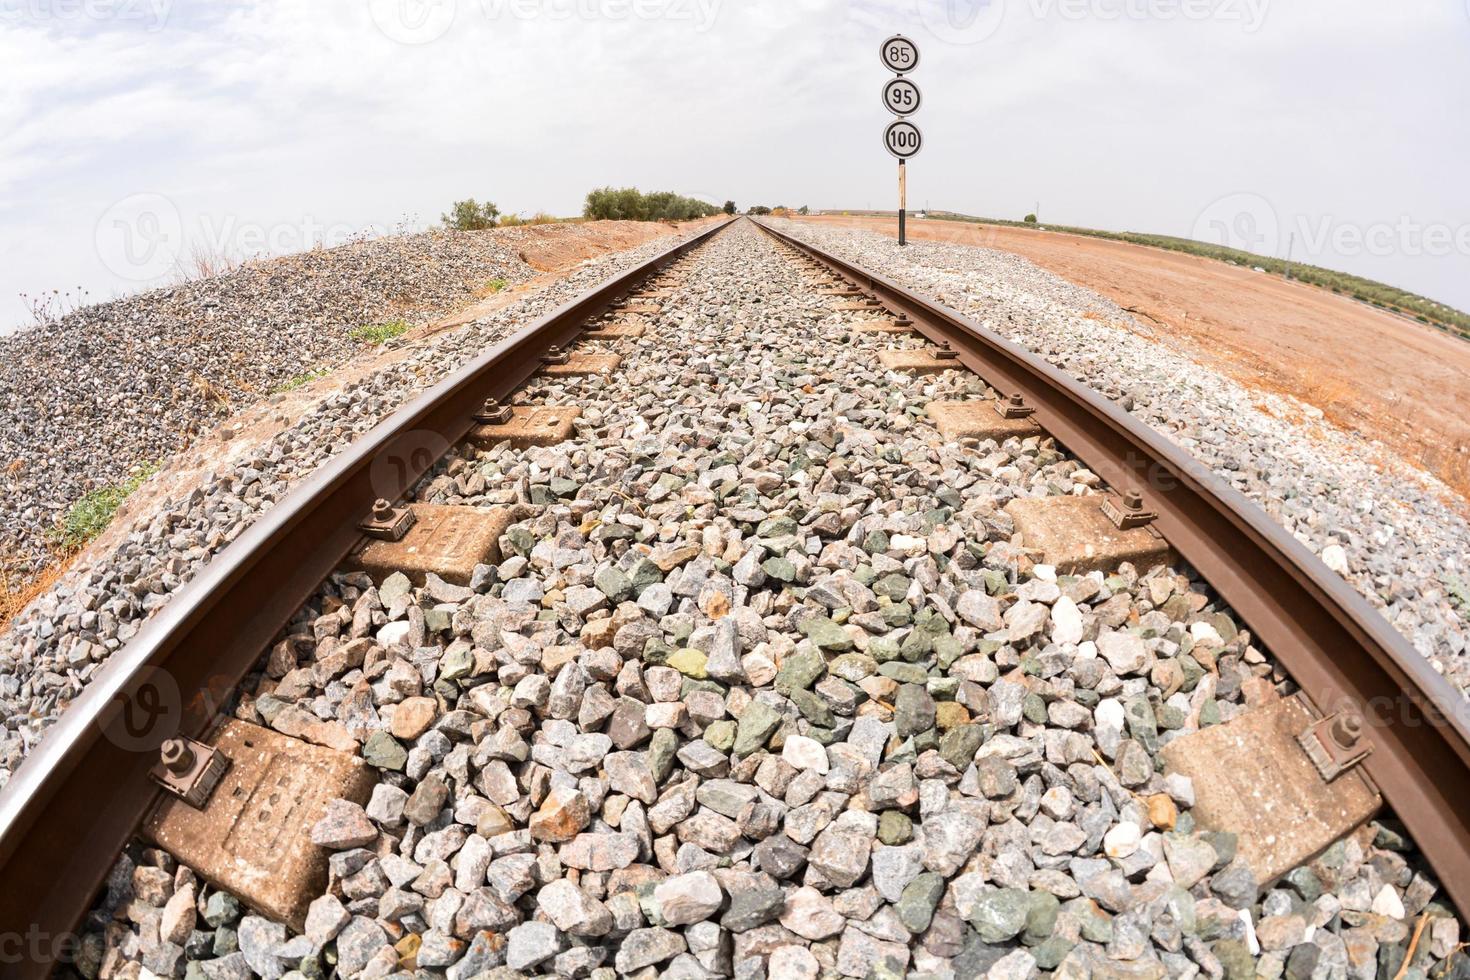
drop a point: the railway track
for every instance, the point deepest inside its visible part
(837, 526)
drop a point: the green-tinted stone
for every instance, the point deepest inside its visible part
(1034, 709)
(896, 614)
(893, 585)
(875, 542)
(382, 750)
(721, 735)
(780, 569)
(661, 749)
(776, 527)
(853, 667)
(612, 582)
(1049, 954)
(1001, 914)
(756, 724)
(800, 670)
(904, 673)
(1170, 718)
(221, 909)
(521, 539)
(826, 634)
(917, 647)
(1209, 714)
(959, 745)
(643, 574)
(226, 941)
(436, 620)
(996, 582)
(919, 900)
(895, 827)
(883, 649)
(913, 710)
(813, 707)
(1142, 725)
(690, 663)
(924, 741)
(457, 663)
(563, 487)
(1235, 957)
(1041, 920)
(656, 652)
(947, 650)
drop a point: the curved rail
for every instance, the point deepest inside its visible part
(83, 791)
(1338, 649)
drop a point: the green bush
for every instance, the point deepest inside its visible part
(469, 215)
(758, 209)
(304, 378)
(729, 207)
(1030, 219)
(496, 285)
(631, 204)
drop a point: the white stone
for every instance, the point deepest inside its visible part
(1066, 621)
(1203, 632)
(1335, 558)
(1109, 713)
(1388, 903)
(1122, 840)
(806, 753)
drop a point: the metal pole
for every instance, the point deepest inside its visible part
(903, 198)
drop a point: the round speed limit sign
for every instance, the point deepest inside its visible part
(903, 139)
(901, 97)
(900, 54)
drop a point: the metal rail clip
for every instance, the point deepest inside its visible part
(555, 355)
(190, 770)
(388, 523)
(1335, 744)
(1130, 513)
(946, 352)
(493, 413)
(1014, 407)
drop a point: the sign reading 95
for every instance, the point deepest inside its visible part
(901, 97)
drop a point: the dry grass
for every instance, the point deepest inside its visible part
(17, 591)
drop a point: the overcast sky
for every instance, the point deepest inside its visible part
(136, 131)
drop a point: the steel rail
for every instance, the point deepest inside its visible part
(1337, 648)
(83, 791)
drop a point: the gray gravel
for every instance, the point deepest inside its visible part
(1394, 541)
(762, 687)
(116, 386)
(54, 648)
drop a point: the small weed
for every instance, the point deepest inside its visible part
(301, 379)
(379, 333)
(1459, 592)
(496, 285)
(90, 516)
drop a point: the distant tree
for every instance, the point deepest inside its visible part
(729, 207)
(804, 210)
(757, 209)
(1030, 219)
(469, 215)
(630, 204)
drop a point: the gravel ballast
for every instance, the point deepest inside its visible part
(110, 388)
(1386, 529)
(763, 687)
(58, 643)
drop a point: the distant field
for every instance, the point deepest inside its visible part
(1377, 294)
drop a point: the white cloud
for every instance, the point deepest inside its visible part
(285, 113)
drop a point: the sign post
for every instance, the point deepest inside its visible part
(902, 98)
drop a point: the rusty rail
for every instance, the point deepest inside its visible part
(1337, 648)
(80, 795)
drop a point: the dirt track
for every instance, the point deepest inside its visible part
(1404, 383)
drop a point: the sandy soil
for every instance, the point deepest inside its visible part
(1389, 377)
